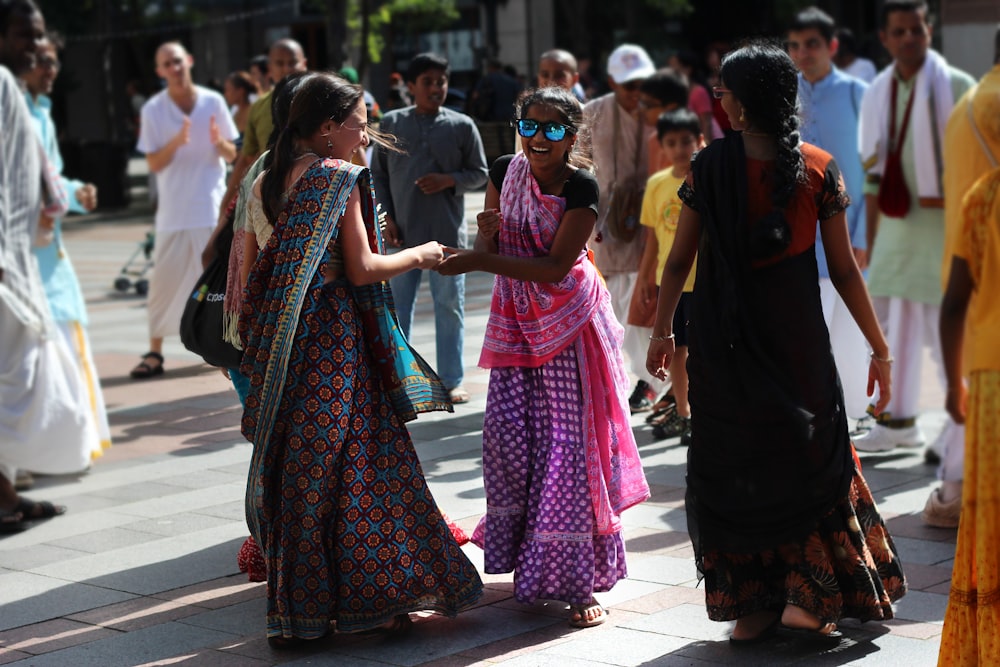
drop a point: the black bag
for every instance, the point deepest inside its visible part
(201, 323)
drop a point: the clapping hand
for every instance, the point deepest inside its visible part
(183, 136)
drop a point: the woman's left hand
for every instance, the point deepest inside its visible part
(456, 261)
(659, 356)
(880, 372)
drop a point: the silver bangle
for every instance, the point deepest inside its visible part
(887, 360)
(660, 339)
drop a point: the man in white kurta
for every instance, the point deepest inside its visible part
(187, 135)
(912, 99)
(42, 420)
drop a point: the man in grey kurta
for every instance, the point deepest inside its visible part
(422, 192)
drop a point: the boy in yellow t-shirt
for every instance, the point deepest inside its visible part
(679, 134)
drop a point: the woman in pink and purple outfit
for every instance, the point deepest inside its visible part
(560, 461)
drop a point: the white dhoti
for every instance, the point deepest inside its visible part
(176, 269)
(46, 425)
(850, 350)
(909, 326)
(78, 343)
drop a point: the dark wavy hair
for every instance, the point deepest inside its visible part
(281, 103)
(319, 98)
(763, 78)
(566, 105)
(10, 7)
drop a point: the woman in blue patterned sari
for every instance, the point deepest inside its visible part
(336, 496)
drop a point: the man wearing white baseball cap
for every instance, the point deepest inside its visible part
(617, 144)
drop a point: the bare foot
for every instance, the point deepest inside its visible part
(754, 625)
(796, 617)
(587, 616)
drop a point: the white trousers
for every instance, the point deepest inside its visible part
(176, 269)
(850, 350)
(909, 326)
(636, 342)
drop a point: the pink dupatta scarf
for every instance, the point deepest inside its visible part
(532, 322)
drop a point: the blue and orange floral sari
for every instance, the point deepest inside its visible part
(336, 497)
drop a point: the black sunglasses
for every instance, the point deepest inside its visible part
(553, 131)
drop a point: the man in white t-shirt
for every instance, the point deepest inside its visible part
(187, 135)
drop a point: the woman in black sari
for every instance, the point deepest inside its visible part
(785, 531)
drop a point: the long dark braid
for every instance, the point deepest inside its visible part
(765, 81)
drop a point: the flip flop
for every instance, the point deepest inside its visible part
(580, 611)
(144, 371)
(32, 510)
(12, 522)
(813, 634)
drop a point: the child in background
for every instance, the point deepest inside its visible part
(664, 91)
(679, 135)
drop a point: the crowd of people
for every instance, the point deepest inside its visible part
(756, 259)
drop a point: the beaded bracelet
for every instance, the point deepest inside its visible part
(887, 360)
(660, 339)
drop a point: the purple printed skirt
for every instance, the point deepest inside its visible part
(539, 519)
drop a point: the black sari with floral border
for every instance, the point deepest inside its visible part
(778, 511)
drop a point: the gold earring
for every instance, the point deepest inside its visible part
(743, 117)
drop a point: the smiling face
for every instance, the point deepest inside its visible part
(40, 78)
(352, 133)
(20, 42)
(544, 154)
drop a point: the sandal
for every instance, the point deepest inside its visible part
(144, 370)
(580, 612)
(12, 522)
(831, 635)
(664, 407)
(33, 510)
(459, 395)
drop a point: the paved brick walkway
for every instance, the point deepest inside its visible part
(142, 569)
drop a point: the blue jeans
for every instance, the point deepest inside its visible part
(448, 293)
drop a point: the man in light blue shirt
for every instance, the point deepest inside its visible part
(830, 106)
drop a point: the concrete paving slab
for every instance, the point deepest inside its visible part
(156, 643)
(28, 598)
(159, 565)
